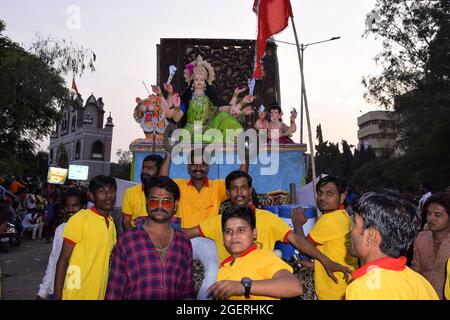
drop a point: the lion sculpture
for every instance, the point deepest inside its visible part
(149, 114)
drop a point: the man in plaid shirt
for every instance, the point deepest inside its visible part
(153, 261)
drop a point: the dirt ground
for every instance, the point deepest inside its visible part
(23, 268)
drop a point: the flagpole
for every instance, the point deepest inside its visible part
(308, 122)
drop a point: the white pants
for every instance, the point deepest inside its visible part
(205, 250)
(36, 228)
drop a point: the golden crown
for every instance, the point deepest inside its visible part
(199, 66)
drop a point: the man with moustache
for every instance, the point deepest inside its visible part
(200, 199)
(133, 203)
(153, 261)
(331, 236)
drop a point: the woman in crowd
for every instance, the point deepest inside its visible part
(432, 246)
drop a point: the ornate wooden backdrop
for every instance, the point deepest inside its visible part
(233, 62)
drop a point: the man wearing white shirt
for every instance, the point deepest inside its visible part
(31, 200)
(73, 201)
(425, 189)
(30, 222)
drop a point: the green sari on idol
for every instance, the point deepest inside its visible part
(203, 112)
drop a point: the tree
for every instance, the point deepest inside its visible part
(63, 159)
(363, 155)
(32, 93)
(415, 83)
(67, 58)
(347, 160)
(359, 168)
(327, 156)
(369, 176)
(124, 157)
(27, 163)
(33, 164)
(407, 28)
(122, 169)
(330, 160)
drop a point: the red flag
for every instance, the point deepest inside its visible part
(74, 87)
(273, 17)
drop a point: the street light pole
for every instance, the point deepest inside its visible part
(302, 48)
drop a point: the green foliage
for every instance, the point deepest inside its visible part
(406, 28)
(326, 155)
(66, 57)
(32, 93)
(122, 169)
(415, 84)
(63, 159)
(362, 170)
(359, 167)
(369, 176)
(27, 163)
(124, 157)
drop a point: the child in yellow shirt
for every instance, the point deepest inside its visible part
(249, 272)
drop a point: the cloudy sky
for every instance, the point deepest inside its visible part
(124, 36)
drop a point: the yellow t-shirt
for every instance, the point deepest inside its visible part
(447, 282)
(332, 233)
(270, 228)
(195, 207)
(87, 274)
(134, 203)
(389, 279)
(254, 263)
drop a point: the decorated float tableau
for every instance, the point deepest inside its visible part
(276, 161)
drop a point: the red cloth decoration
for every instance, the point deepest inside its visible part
(74, 86)
(273, 17)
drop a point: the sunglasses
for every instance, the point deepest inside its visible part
(164, 203)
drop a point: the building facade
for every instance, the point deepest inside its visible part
(375, 129)
(83, 137)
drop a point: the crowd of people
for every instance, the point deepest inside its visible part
(168, 223)
(32, 208)
(378, 245)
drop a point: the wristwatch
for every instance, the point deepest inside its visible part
(247, 283)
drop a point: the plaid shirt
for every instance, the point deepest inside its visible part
(137, 273)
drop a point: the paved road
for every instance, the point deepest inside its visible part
(23, 269)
